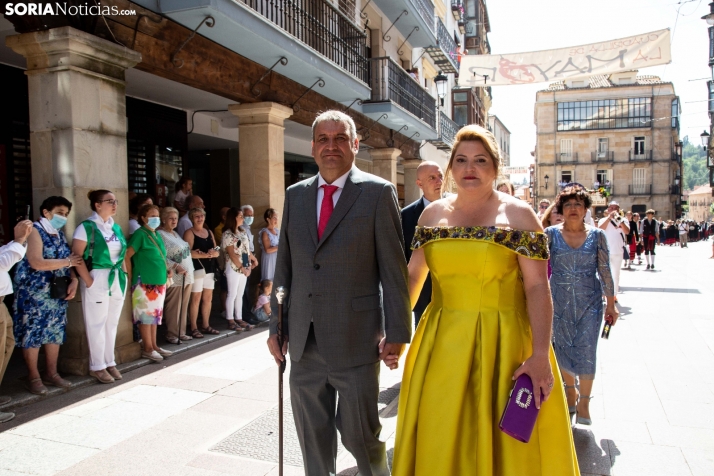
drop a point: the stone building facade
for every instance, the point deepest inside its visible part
(503, 137)
(700, 202)
(618, 132)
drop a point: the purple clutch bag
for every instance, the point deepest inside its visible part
(520, 414)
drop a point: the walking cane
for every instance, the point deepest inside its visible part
(280, 295)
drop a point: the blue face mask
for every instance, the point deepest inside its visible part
(153, 222)
(248, 220)
(58, 221)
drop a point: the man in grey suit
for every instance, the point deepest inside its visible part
(341, 259)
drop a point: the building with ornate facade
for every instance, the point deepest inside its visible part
(700, 202)
(619, 132)
(503, 137)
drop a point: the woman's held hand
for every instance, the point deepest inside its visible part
(538, 368)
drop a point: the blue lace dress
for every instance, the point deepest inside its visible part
(580, 278)
(39, 319)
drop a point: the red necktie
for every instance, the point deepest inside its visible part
(326, 208)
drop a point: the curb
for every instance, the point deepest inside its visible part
(24, 398)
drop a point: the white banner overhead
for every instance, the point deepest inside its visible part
(633, 52)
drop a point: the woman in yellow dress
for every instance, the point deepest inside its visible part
(489, 321)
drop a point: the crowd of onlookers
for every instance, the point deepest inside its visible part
(170, 264)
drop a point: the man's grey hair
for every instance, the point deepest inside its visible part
(247, 207)
(336, 116)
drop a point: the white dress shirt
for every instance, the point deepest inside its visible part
(339, 183)
(183, 224)
(10, 254)
(426, 202)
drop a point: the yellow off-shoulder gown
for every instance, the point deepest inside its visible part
(457, 375)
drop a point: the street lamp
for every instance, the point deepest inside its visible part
(705, 140)
(441, 81)
(546, 182)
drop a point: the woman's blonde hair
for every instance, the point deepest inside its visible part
(195, 211)
(470, 133)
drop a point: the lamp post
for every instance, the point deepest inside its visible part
(441, 81)
(546, 181)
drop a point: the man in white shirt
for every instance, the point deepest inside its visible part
(10, 254)
(683, 233)
(193, 201)
(614, 226)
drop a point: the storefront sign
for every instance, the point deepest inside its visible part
(5, 229)
(597, 199)
(607, 57)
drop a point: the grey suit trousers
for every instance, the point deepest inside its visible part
(314, 388)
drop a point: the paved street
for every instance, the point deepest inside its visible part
(212, 412)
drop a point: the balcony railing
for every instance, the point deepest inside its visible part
(643, 155)
(444, 53)
(676, 157)
(457, 9)
(322, 27)
(565, 158)
(674, 189)
(426, 10)
(389, 82)
(600, 156)
(447, 132)
(640, 189)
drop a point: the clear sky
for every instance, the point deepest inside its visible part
(527, 25)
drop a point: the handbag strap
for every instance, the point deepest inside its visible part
(157, 247)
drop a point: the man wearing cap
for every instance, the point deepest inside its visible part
(615, 229)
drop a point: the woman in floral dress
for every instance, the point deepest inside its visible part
(39, 320)
(146, 264)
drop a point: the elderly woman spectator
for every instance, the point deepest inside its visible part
(204, 253)
(239, 263)
(101, 243)
(580, 259)
(269, 239)
(146, 264)
(178, 259)
(542, 207)
(40, 314)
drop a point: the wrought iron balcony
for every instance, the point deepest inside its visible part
(444, 53)
(599, 156)
(640, 189)
(321, 26)
(457, 9)
(636, 157)
(447, 132)
(676, 157)
(390, 82)
(426, 10)
(414, 19)
(565, 158)
(674, 189)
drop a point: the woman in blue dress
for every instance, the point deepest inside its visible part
(40, 320)
(581, 275)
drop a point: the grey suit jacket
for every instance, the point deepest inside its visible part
(351, 284)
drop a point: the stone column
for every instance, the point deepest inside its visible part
(261, 155)
(384, 163)
(412, 192)
(78, 140)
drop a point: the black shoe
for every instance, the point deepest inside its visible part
(652, 267)
(648, 266)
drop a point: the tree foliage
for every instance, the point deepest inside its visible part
(695, 165)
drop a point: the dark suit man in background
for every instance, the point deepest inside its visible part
(341, 259)
(430, 178)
